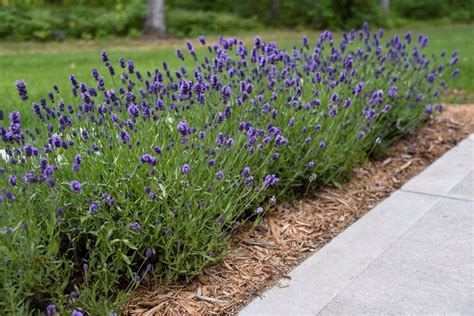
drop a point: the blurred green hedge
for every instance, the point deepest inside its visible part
(46, 22)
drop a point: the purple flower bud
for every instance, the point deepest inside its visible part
(249, 181)
(94, 207)
(59, 212)
(75, 186)
(149, 252)
(135, 226)
(270, 180)
(104, 56)
(14, 117)
(75, 312)
(455, 73)
(12, 180)
(51, 309)
(124, 137)
(219, 175)
(148, 159)
(185, 170)
(183, 127)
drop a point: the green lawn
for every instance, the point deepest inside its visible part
(42, 64)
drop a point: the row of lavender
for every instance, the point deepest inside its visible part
(146, 175)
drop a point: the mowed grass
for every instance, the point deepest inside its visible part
(41, 65)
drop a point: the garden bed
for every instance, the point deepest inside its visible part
(258, 258)
(140, 176)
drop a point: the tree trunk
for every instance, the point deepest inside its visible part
(155, 22)
(385, 5)
(275, 10)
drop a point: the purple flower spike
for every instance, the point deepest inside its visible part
(75, 186)
(21, 86)
(183, 127)
(259, 210)
(202, 39)
(104, 56)
(455, 73)
(219, 175)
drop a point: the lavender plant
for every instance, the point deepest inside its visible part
(145, 175)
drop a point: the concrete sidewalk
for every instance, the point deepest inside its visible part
(412, 254)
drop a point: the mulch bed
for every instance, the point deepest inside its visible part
(258, 258)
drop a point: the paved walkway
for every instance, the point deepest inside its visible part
(412, 254)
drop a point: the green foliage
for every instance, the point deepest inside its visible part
(192, 23)
(21, 22)
(455, 10)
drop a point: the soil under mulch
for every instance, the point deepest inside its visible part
(258, 258)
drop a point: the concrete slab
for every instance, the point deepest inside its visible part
(441, 177)
(429, 270)
(321, 277)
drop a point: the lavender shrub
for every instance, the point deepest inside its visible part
(147, 174)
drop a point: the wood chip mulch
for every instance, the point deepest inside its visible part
(258, 258)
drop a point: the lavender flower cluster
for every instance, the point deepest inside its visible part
(147, 174)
